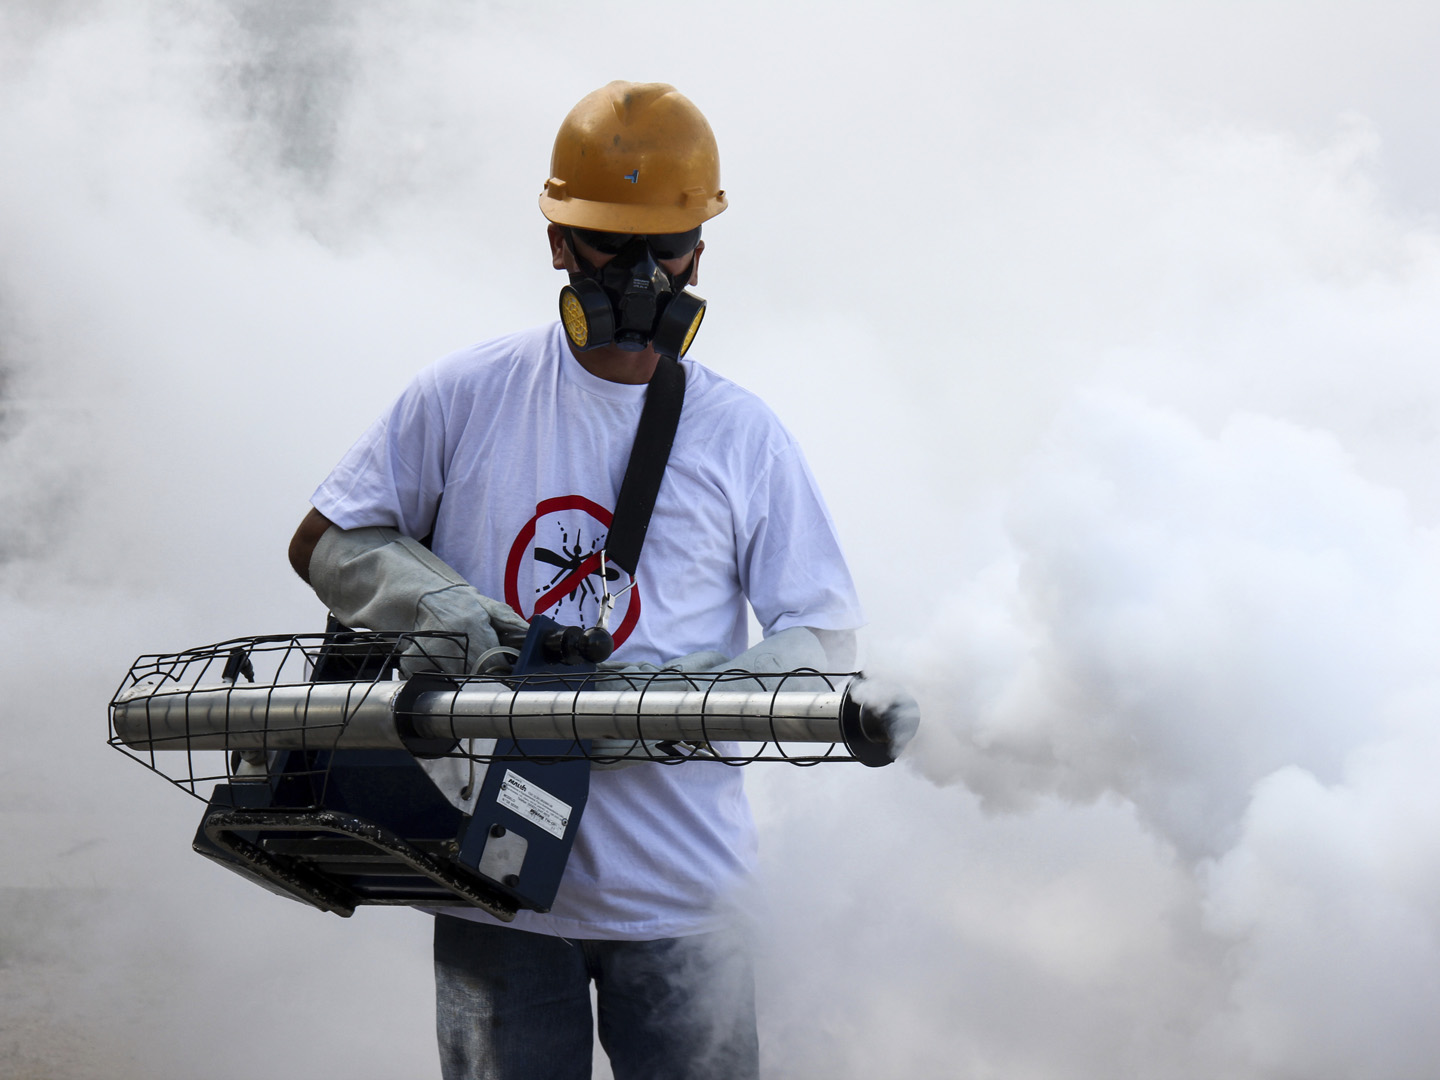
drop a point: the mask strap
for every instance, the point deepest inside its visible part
(681, 281)
(586, 266)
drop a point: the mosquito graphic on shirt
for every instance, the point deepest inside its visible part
(570, 558)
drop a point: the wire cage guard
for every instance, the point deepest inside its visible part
(212, 699)
(306, 746)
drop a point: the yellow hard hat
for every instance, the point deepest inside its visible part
(634, 158)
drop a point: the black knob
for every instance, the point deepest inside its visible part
(562, 645)
(574, 645)
(597, 645)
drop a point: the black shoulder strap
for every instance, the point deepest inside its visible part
(653, 439)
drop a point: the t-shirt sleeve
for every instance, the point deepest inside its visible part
(394, 473)
(791, 566)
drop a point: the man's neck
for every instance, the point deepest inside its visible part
(614, 364)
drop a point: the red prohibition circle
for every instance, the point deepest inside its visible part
(522, 544)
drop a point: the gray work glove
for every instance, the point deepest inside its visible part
(379, 579)
(795, 649)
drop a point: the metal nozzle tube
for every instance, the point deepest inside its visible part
(313, 716)
(717, 715)
(371, 715)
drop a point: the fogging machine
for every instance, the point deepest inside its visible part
(310, 748)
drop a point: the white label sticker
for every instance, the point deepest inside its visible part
(534, 803)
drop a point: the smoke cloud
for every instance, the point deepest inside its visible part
(1110, 335)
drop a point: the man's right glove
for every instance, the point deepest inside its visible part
(380, 579)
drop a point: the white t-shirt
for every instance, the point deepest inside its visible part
(528, 449)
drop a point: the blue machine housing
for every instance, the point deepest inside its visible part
(344, 828)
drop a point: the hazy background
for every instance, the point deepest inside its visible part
(1110, 330)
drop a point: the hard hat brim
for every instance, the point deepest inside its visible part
(629, 218)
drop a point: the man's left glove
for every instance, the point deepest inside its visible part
(795, 649)
(380, 579)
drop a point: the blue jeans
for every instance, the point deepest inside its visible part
(512, 1005)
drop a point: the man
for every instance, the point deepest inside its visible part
(508, 457)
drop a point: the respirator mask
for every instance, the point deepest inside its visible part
(631, 301)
